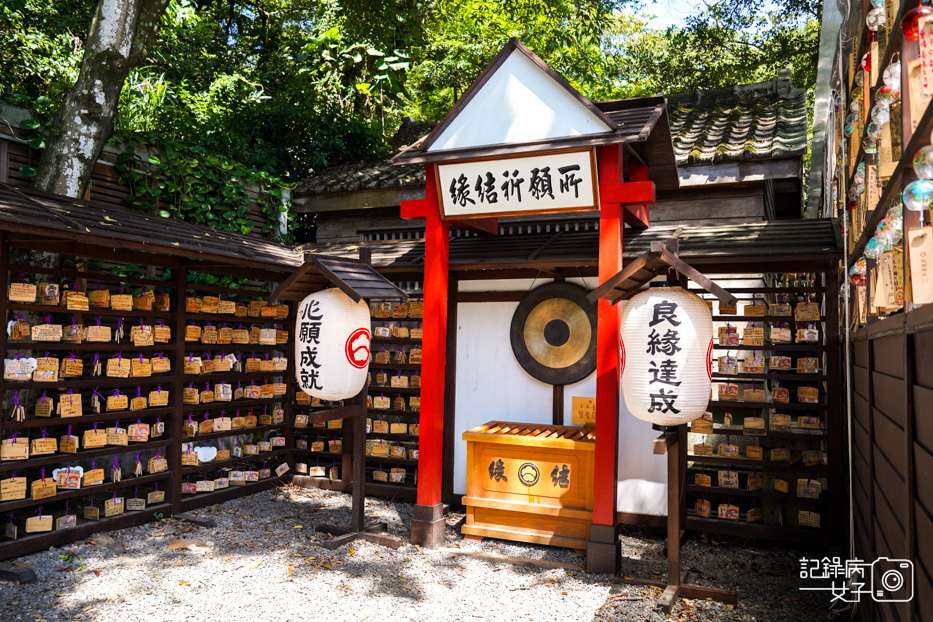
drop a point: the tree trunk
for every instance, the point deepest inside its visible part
(121, 34)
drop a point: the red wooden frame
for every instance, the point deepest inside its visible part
(618, 201)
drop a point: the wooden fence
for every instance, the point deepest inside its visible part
(892, 454)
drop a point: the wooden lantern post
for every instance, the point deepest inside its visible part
(662, 259)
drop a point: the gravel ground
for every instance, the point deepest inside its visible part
(263, 562)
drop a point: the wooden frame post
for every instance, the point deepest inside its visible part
(602, 551)
(428, 525)
(671, 442)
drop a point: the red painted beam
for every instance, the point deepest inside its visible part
(428, 206)
(637, 216)
(418, 209)
(433, 358)
(626, 193)
(607, 343)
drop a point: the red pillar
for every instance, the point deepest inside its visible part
(602, 549)
(427, 526)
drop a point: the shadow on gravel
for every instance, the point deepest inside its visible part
(764, 575)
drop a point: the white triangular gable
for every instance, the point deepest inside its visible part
(519, 103)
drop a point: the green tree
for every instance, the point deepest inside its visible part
(729, 42)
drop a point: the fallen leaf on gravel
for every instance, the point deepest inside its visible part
(185, 543)
(97, 572)
(298, 527)
(256, 565)
(289, 570)
(183, 583)
(65, 569)
(352, 552)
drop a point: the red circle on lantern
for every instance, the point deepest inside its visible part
(621, 355)
(358, 354)
(709, 360)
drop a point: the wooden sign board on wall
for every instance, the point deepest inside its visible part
(543, 183)
(584, 411)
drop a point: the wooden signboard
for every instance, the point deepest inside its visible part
(544, 183)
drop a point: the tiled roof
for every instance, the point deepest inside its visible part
(762, 120)
(365, 175)
(50, 215)
(748, 121)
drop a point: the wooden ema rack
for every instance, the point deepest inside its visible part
(530, 483)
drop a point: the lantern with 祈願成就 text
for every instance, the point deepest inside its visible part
(332, 343)
(667, 348)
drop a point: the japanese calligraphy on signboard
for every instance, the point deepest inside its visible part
(667, 347)
(332, 343)
(538, 184)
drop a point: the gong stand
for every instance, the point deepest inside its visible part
(661, 259)
(358, 280)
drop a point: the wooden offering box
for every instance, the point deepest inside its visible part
(530, 482)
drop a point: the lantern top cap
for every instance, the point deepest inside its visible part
(356, 278)
(662, 258)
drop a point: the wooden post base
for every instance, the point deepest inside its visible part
(428, 526)
(603, 549)
(374, 532)
(676, 585)
(672, 592)
(18, 574)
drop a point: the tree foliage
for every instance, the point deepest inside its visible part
(288, 87)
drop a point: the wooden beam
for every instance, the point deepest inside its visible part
(485, 226)
(625, 193)
(628, 272)
(678, 264)
(429, 205)
(663, 443)
(637, 216)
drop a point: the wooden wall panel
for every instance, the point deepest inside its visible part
(860, 379)
(860, 353)
(890, 540)
(890, 397)
(923, 422)
(890, 493)
(889, 438)
(923, 359)
(861, 412)
(861, 452)
(888, 357)
(924, 545)
(924, 466)
(923, 586)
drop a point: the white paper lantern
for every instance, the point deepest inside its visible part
(667, 355)
(332, 343)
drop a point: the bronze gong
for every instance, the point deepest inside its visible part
(553, 334)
